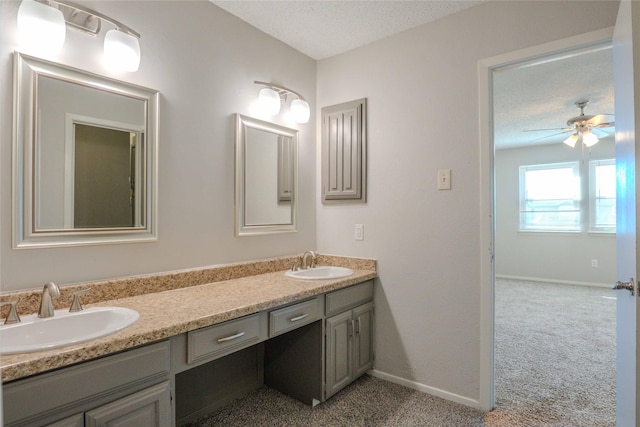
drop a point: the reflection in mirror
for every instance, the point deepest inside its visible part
(85, 157)
(266, 174)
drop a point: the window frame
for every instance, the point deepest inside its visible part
(593, 228)
(523, 225)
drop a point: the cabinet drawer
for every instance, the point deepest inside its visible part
(294, 316)
(216, 341)
(350, 297)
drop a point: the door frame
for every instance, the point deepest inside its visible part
(487, 189)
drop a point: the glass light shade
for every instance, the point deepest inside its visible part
(571, 141)
(121, 51)
(41, 28)
(269, 101)
(589, 138)
(300, 110)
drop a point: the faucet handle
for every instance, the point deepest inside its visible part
(75, 305)
(294, 265)
(13, 316)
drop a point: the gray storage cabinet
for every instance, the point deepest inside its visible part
(349, 336)
(126, 389)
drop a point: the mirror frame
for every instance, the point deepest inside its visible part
(242, 229)
(27, 69)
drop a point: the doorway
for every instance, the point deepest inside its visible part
(525, 255)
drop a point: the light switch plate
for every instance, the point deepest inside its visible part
(359, 232)
(444, 179)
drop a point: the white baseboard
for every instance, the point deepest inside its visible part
(425, 389)
(546, 280)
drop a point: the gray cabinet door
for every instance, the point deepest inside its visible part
(73, 421)
(339, 369)
(344, 152)
(150, 407)
(363, 339)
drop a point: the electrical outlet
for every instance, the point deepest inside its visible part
(359, 232)
(594, 263)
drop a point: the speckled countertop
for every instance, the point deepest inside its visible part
(172, 312)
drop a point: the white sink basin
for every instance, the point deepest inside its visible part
(64, 328)
(320, 272)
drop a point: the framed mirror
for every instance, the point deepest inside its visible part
(266, 177)
(85, 157)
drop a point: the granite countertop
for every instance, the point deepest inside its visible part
(173, 312)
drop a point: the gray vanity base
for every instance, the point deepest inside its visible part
(308, 350)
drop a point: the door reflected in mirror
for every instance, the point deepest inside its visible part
(105, 187)
(266, 173)
(85, 157)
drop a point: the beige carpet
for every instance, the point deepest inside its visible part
(555, 356)
(555, 359)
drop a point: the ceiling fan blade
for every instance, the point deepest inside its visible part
(550, 136)
(604, 125)
(546, 130)
(598, 119)
(600, 133)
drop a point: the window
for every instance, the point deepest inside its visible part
(550, 197)
(602, 195)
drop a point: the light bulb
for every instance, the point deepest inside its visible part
(589, 138)
(121, 51)
(269, 101)
(571, 141)
(41, 28)
(300, 110)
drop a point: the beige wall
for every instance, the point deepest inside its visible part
(422, 90)
(204, 62)
(564, 257)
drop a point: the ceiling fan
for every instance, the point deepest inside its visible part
(582, 126)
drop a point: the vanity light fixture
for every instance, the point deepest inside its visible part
(272, 96)
(40, 27)
(37, 20)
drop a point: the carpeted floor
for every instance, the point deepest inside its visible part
(368, 402)
(555, 355)
(555, 367)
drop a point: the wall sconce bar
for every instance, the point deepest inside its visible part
(42, 27)
(272, 95)
(84, 19)
(282, 91)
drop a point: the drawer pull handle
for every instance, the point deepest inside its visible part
(231, 337)
(302, 316)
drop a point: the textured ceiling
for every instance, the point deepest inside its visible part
(543, 95)
(326, 28)
(532, 96)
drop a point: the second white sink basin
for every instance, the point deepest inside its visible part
(320, 272)
(64, 328)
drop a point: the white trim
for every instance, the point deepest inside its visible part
(487, 198)
(425, 389)
(549, 280)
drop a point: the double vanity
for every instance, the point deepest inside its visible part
(203, 338)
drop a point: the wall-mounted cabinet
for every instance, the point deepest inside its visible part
(344, 152)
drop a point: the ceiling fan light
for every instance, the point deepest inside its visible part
(589, 138)
(269, 101)
(571, 141)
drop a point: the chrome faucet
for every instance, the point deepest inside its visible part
(50, 291)
(313, 259)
